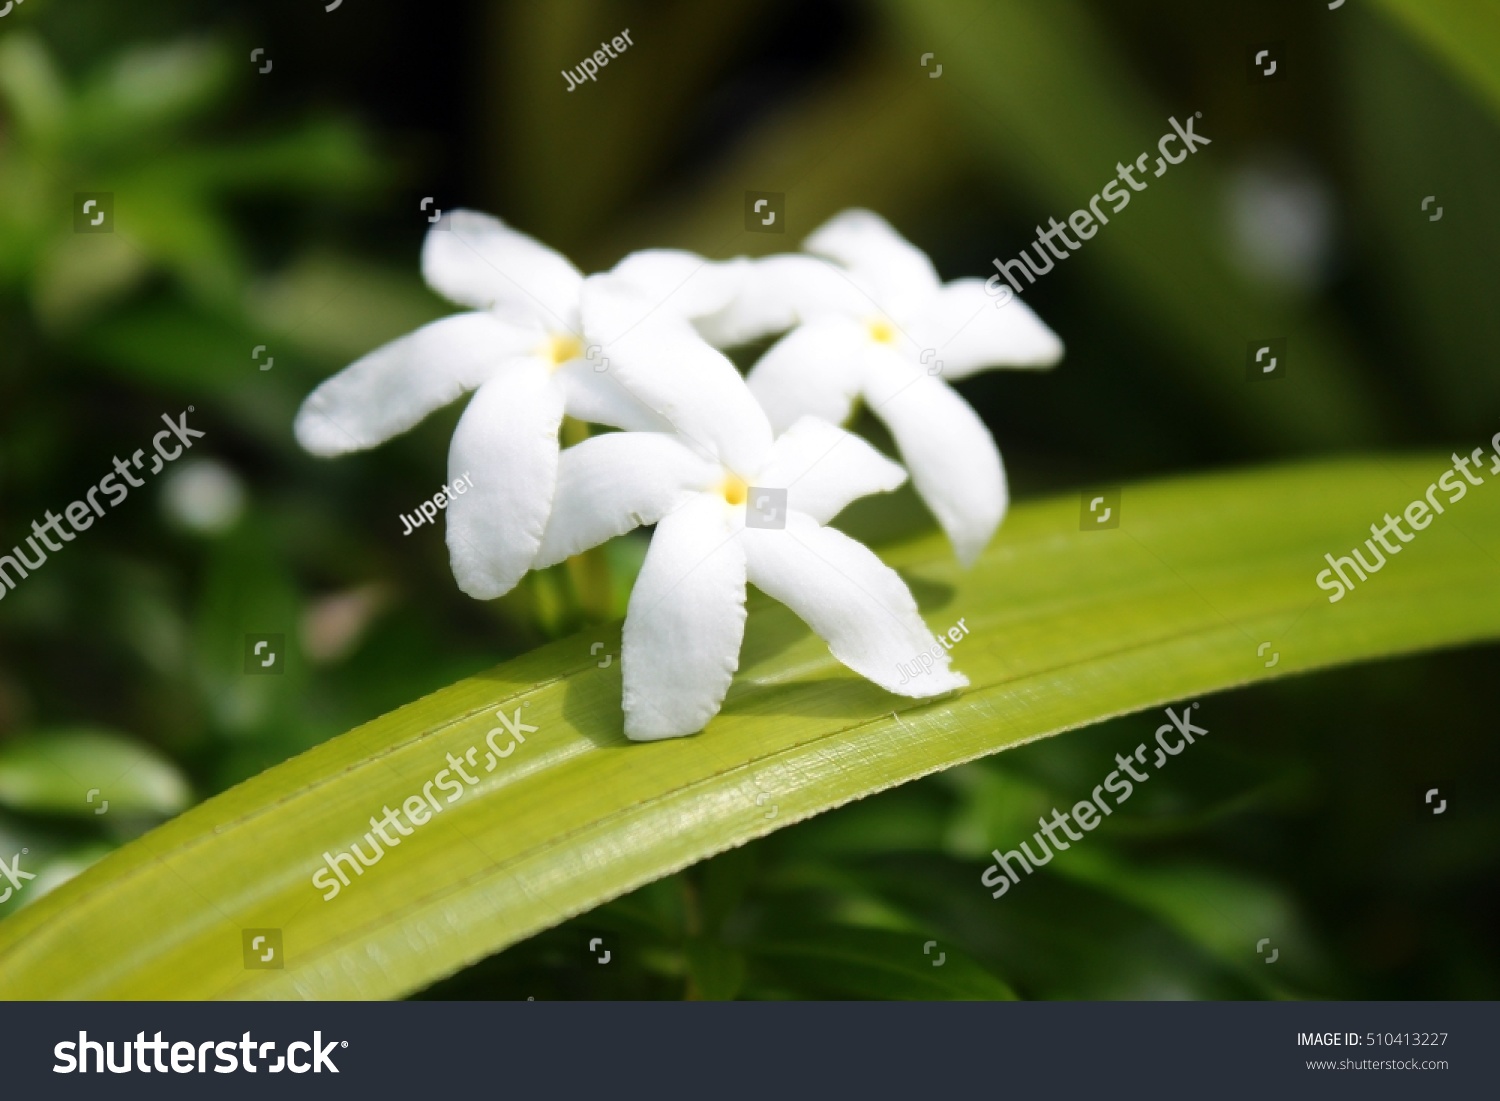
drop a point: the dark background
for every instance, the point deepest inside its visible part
(282, 209)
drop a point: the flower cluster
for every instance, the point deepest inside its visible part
(865, 319)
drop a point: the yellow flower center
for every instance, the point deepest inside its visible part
(882, 331)
(734, 489)
(559, 348)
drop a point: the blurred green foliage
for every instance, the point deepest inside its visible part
(280, 210)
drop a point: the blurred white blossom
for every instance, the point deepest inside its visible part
(204, 496)
(1281, 224)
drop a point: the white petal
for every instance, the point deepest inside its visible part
(779, 292)
(506, 442)
(596, 396)
(900, 274)
(946, 447)
(609, 484)
(852, 600)
(685, 623)
(479, 261)
(968, 332)
(677, 374)
(686, 284)
(395, 386)
(824, 468)
(815, 370)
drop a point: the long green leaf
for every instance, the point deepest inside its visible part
(1066, 627)
(62, 771)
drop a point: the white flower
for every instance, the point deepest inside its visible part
(524, 347)
(686, 615)
(884, 328)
